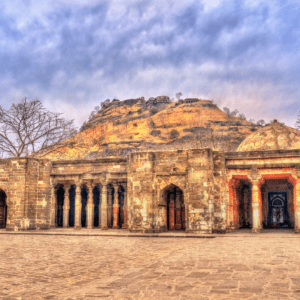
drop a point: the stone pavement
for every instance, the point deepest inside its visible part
(235, 266)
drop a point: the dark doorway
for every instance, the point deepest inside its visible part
(245, 205)
(96, 200)
(72, 206)
(3, 209)
(83, 206)
(121, 207)
(174, 208)
(278, 210)
(60, 205)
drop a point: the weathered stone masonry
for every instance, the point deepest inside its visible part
(197, 190)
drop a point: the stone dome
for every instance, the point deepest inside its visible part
(274, 136)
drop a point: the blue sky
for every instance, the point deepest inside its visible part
(73, 54)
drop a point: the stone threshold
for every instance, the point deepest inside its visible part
(119, 233)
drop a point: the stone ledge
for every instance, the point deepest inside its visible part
(262, 166)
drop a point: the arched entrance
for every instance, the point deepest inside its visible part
(59, 206)
(172, 208)
(3, 209)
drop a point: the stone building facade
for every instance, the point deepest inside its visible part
(195, 190)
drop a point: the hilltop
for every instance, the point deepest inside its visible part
(121, 127)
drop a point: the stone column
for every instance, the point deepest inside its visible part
(231, 200)
(125, 225)
(171, 212)
(178, 211)
(78, 207)
(109, 208)
(256, 207)
(297, 205)
(116, 208)
(90, 207)
(104, 207)
(66, 206)
(53, 207)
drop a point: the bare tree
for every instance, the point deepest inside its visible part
(261, 122)
(297, 124)
(234, 113)
(226, 111)
(178, 95)
(27, 127)
(242, 116)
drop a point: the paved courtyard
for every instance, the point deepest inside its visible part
(95, 267)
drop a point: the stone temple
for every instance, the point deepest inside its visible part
(195, 190)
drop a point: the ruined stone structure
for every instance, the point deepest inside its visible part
(196, 190)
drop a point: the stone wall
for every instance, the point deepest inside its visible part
(219, 192)
(149, 173)
(26, 183)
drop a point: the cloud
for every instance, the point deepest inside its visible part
(243, 54)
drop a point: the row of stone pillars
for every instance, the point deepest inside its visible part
(109, 210)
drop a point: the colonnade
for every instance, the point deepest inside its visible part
(256, 203)
(111, 202)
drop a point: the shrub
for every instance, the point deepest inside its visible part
(154, 110)
(155, 132)
(174, 134)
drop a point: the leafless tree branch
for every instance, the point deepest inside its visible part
(27, 128)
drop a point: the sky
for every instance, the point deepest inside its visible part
(74, 54)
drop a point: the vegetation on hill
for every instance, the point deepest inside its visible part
(122, 127)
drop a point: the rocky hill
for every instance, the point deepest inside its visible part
(121, 127)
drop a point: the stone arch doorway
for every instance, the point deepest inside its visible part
(172, 208)
(3, 209)
(60, 206)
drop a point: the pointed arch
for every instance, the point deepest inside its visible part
(171, 207)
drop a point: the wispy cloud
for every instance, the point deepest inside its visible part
(243, 54)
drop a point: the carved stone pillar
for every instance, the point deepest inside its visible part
(116, 208)
(125, 224)
(104, 207)
(231, 196)
(78, 207)
(109, 208)
(90, 207)
(66, 206)
(256, 207)
(53, 207)
(178, 210)
(171, 212)
(297, 205)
